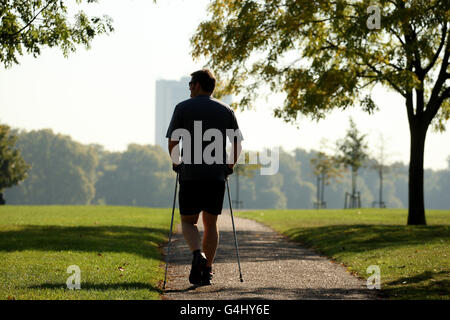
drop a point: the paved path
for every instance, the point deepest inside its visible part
(272, 268)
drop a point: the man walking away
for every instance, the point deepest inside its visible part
(203, 170)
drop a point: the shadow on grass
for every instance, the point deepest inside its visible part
(427, 284)
(427, 275)
(361, 238)
(141, 241)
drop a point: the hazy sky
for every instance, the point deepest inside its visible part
(106, 95)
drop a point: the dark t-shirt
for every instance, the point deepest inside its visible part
(203, 155)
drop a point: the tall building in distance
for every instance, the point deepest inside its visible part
(168, 94)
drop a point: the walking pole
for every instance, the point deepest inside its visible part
(170, 233)
(234, 232)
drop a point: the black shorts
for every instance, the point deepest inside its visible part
(196, 196)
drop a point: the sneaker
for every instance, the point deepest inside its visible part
(207, 276)
(198, 263)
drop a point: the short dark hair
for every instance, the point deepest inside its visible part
(205, 78)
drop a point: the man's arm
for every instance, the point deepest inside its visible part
(234, 156)
(175, 123)
(174, 153)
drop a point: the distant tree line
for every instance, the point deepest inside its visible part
(66, 172)
(63, 171)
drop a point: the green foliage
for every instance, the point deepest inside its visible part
(438, 123)
(13, 168)
(31, 25)
(141, 176)
(322, 54)
(325, 166)
(268, 191)
(62, 171)
(297, 191)
(66, 172)
(352, 150)
(325, 56)
(247, 170)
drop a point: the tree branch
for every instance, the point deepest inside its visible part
(443, 74)
(411, 45)
(417, 61)
(383, 76)
(398, 37)
(435, 101)
(431, 113)
(445, 94)
(438, 52)
(34, 18)
(394, 66)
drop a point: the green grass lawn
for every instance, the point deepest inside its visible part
(414, 260)
(116, 249)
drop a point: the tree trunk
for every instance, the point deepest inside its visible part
(354, 177)
(353, 181)
(323, 190)
(318, 191)
(381, 186)
(416, 204)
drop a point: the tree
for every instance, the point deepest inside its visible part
(298, 193)
(438, 185)
(13, 168)
(62, 171)
(379, 165)
(269, 194)
(32, 25)
(247, 170)
(139, 176)
(325, 168)
(327, 55)
(352, 152)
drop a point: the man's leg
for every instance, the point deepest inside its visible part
(210, 236)
(190, 231)
(192, 237)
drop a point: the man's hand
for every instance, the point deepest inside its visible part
(234, 156)
(229, 170)
(175, 155)
(176, 167)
